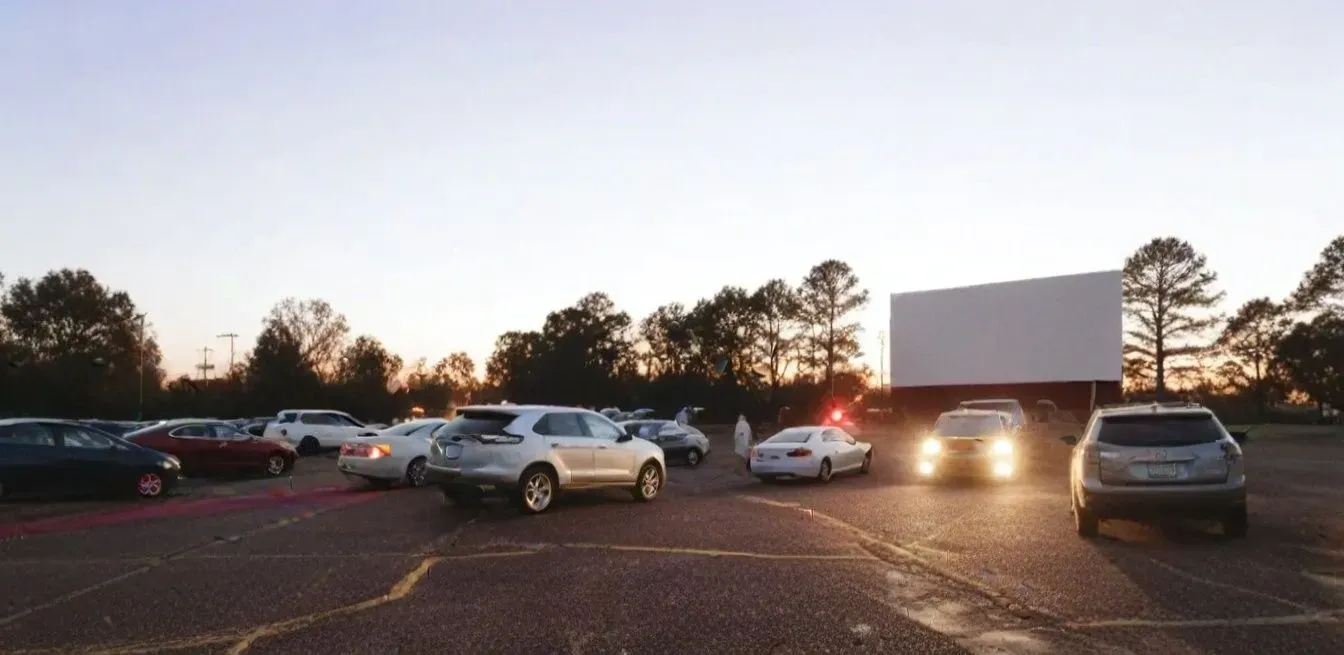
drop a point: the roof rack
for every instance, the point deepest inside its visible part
(1169, 403)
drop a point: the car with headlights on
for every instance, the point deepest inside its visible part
(681, 443)
(969, 442)
(533, 452)
(811, 451)
(396, 455)
(1157, 461)
(53, 456)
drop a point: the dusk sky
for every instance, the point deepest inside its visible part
(444, 171)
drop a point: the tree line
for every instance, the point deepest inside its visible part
(73, 347)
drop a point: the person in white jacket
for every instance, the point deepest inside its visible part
(742, 441)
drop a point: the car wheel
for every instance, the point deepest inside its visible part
(536, 490)
(309, 446)
(415, 472)
(693, 457)
(150, 485)
(1235, 522)
(1085, 522)
(867, 463)
(648, 483)
(276, 465)
(462, 496)
(824, 473)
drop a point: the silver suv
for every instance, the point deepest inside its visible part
(532, 452)
(1157, 461)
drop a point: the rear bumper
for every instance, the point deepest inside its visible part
(383, 468)
(785, 468)
(1144, 503)
(490, 476)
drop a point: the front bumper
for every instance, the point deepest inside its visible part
(976, 465)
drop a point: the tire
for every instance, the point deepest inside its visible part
(1085, 522)
(693, 457)
(309, 446)
(537, 488)
(867, 463)
(150, 485)
(1236, 523)
(462, 496)
(824, 471)
(648, 483)
(276, 465)
(415, 473)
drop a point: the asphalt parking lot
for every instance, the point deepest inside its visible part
(719, 564)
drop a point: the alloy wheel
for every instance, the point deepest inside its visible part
(150, 485)
(537, 492)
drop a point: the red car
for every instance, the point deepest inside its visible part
(205, 447)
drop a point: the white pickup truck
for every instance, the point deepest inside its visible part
(314, 430)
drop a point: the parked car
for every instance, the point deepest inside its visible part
(809, 451)
(534, 452)
(1157, 461)
(114, 428)
(52, 456)
(395, 455)
(679, 442)
(208, 447)
(970, 442)
(314, 430)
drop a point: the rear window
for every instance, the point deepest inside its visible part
(477, 423)
(1009, 407)
(1159, 430)
(790, 436)
(967, 426)
(422, 427)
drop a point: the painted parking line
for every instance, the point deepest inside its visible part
(161, 510)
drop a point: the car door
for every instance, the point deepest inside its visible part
(30, 461)
(674, 439)
(856, 453)
(234, 448)
(835, 449)
(613, 461)
(192, 446)
(92, 460)
(318, 425)
(569, 442)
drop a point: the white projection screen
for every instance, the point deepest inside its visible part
(1055, 329)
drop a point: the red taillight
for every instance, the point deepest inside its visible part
(372, 451)
(836, 415)
(800, 452)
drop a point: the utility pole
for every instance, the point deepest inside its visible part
(140, 405)
(205, 366)
(881, 358)
(230, 336)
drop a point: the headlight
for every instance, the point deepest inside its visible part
(1003, 447)
(932, 446)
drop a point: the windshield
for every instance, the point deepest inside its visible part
(477, 422)
(967, 426)
(1159, 430)
(423, 427)
(647, 429)
(994, 406)
(792, 435)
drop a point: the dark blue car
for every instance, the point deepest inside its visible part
(57, 457)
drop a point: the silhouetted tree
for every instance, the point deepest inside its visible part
(1312, 355)
(776, 311)
(1322, 288)
(827, 298)
(1169, 295)
(319, 330)
(1252, 336)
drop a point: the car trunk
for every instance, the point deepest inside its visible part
(1162, 449)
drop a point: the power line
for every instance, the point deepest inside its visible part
(230, 336)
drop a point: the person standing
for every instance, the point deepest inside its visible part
(742, 442)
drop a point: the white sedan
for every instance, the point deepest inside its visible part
(813, 451)
(394, 455)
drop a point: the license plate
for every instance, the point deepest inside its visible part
(774, 457)
(1162, 470)
(961, 446)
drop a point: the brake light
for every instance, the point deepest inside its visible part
(800, 452)
(372, 451)
(836, 415)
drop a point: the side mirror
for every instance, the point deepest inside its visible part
(1240, 436)
(1069, 439)
(624, 438)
